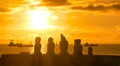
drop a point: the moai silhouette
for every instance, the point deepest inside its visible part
(37, 53)
(63, 45)
(91, 59)
(90, 53)
(77, 47)
(50, 46)
(37, 46)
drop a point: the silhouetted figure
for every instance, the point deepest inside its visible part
(37, 53)
(77, 47)
(50, 46)
(91, 59)
(90, 53)
(37, 47)
(63, 45)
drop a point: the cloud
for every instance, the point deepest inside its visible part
(55, 2)
(98, 7)
(4, 9)
(115, 6)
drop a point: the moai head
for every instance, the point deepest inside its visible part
(50, 39)
(63, 38)
(37, 40)
(77, 41)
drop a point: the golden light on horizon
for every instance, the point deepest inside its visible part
(39, 19)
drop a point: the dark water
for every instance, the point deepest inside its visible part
(102, 49)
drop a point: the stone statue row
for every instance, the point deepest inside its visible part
(63, 46)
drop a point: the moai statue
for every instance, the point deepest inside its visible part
(90, 53)
(50, 46)
(37, 53)
(77, 47)
(63, 45)
(37, 47)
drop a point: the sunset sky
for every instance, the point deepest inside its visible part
(92, 21)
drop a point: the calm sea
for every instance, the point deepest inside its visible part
(102, 49)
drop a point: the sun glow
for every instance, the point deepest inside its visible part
(39, 19)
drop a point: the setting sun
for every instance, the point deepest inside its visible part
(39, 19)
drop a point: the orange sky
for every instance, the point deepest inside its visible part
(93, 21)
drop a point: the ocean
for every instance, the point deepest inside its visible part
(101, 49)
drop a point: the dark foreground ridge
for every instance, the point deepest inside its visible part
(63, 59)
(58, 60)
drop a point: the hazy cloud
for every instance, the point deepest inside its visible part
(55, 2)
(98, 7)
(4, 9)
(107, 1)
